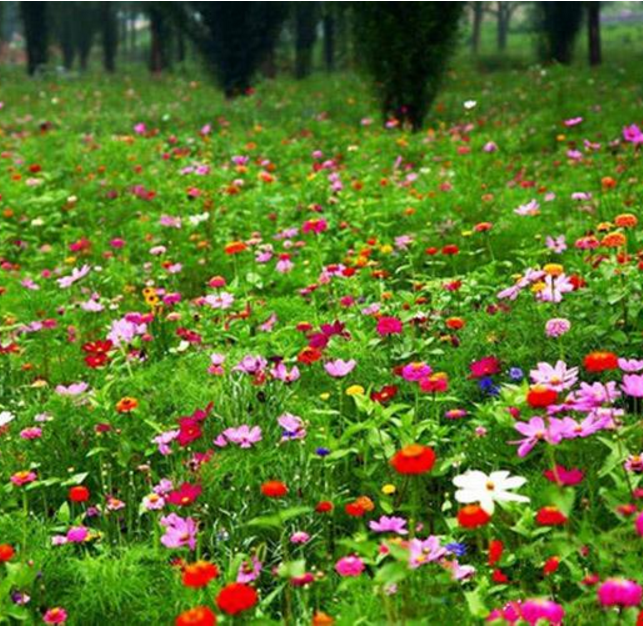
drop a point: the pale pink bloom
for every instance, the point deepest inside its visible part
(340, 368)
(557, 377)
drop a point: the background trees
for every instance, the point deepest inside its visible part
(407, 70)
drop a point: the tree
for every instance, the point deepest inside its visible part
(405, 46)
(477, 9)
(160, 37)
(61, 16)
(328, 25)
(305, 19)
(86, 23)
(561, 22)
(234, 38)
(109, 35)
(36, 28)
(594, 33)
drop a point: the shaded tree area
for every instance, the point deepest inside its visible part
(594, 33)
(561, 23)
(36, 30)
(407, 71)
(305, 18)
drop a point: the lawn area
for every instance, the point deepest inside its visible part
(272, 342)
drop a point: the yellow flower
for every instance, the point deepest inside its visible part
(324, 396)
(553, 269)
(355, 390)
(386, 249)
(388, 489)
(467, 233)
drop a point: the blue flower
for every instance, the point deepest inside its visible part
(322, 452)
(516, 374)
(459, 549)
(487, 385)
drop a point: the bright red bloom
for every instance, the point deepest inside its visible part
(487, 366)
(198, 616)
(450, 249)
(473, 516)
(388, 326)
(78, 494)
(199, 574)
(496, 548)
(274, 489)
(600, 361)
(6, 552)
(309, 355)
(185, 495)
(189, 431)
(551, 565)
(385, 394)
(355, 509)
(413, 459)
(325, 506)
(499, 577)
(540, 396)
(236, 598)
(550, 516)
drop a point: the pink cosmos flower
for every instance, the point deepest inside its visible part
(282, 373)
(349, 566)
(77, 534)
(292, 427)
(179, 531)
(340, 368)
(244, 436)
(74, 389)
(564, 476)
(425, 551)
(555, 287)
(638, 524)
(386, 524)
(249, 570)
(557, 377)
(630, 365)
(76, 275)
(534, 430)
(633, 134)
(633, 385)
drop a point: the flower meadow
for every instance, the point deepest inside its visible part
(272, 362)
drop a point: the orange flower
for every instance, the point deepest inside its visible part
(126, 404)
(366, 503)
(413, 459)
(614, 240)
(235, 247)
(322, 619)
(274, 489)
(199, 574)
(198, 616)
(608, 182)
(626, 220)
(455, 323)
(540, 396)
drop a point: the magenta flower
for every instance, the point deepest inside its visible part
(564, 476)
(179, 532)
(292, 427)
(415, 372)
(535, 430)
(633, 385)
(340, 368)
(535, 610)
(349, 566)
(244, 436)
(77, 534)
(249, 570)
(620, 592)
(388, 326)
(633, 134)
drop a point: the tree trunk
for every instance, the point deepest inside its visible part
(477, 27)
(305, 35)
(132, 34)
(503, 25)
(34, 17)
(109, 28)
(594, 32)
(329, 38)
(159, 36)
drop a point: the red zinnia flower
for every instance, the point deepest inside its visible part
(539, 396)
(473, 516)
(496, 548)
(385, 394)
(274, 489)
(79, 494)
(551, 565)
(236, 597)
(413, 459)
(487, 366)
(325, 506)
(550, 516)
(198, 616)
(199, 574)
(600, 361)
(355, 509)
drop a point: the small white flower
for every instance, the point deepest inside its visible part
(470, 104)
(476, 486)
(6, 417)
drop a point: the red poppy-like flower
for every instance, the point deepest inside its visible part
(236, 598)
(551, 565)
(185, 495)
(126, 404)
(473, 516)
(413, 459)
(450, 249)
(550, 516)
(199, 574)
(499, 577)
(600, 361)
(355, 509)
(540, 396)
(78, 494)
(496, 548)
(309, 355)
(385, 394)
(325, 506)
(235, 247)
(6, 552)
(198, 616)
(274, 489)
(487, 366)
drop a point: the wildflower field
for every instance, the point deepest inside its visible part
(272, 362)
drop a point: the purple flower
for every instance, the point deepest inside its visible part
(425, 551)
(292, 427)
(244, 436)
(633, 385)
(76, 275)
